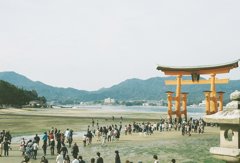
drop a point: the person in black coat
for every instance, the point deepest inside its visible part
(64, 150)
(99, 159)
(117, 157)
(80, 159)
(6, 147)
(44, 160)
(37, 139)
(75, 150)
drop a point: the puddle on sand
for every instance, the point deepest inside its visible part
(18, 139)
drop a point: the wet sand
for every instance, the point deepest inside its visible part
(166, 145)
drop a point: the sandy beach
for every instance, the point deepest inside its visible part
(167, 145)
(82, 112)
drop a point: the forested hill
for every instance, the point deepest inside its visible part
(131, 89)
(10, 95)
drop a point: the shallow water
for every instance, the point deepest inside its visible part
(18, 139)
(195, 112)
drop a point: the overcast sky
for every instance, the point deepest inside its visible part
(90, 44)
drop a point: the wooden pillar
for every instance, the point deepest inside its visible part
(207, 100)
(220, 98)
(213, 99)
(169, 99)
(184, 104)
(178, 97)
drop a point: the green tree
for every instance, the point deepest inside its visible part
(12, 96)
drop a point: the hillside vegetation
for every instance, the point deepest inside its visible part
(10, 95)
(131, 89)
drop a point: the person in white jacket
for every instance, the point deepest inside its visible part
(35, 149)
(75, 160)
(155, 159)
(59, 158)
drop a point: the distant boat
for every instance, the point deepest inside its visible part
(61, 106)
(86, 107)
(55, 107)
(193, 105)
(203, 103)
(66, 106)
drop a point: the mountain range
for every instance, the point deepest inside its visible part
(130, 89)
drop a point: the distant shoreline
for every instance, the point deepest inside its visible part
(81, 113)
(130, 112)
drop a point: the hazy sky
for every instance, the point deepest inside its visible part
(90, 44)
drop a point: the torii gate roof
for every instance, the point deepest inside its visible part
(207, 69)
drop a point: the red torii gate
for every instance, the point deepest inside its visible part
(195, 72)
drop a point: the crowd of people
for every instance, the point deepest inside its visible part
(186, 127)
(54, 138)
(62, 141)
(103, 134)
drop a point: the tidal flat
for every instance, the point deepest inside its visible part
(137, 146)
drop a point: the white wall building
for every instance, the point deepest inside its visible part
(109, 101)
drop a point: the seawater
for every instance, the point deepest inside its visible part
(195, 112)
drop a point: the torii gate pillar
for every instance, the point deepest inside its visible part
(178, 97)
(184, 104)
(213, 101)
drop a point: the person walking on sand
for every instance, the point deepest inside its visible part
(52, 146)
(6, 147)
(35, 148)
(117, 157)
(173, 161)
(104, 138)
(67, 134)
(67, 159)
(99, 159)
(75, 150)
(37, 139)
(22, 146)
(155, 159)
(75, 160)
(59, 158)
(81, 159)
(64, 150)
(44, 160)
(26, 159)
(1, 147)
(59, 145)
(45, 138)
(92, 160)
(44, 146)
(1, 143)
(93, 122)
